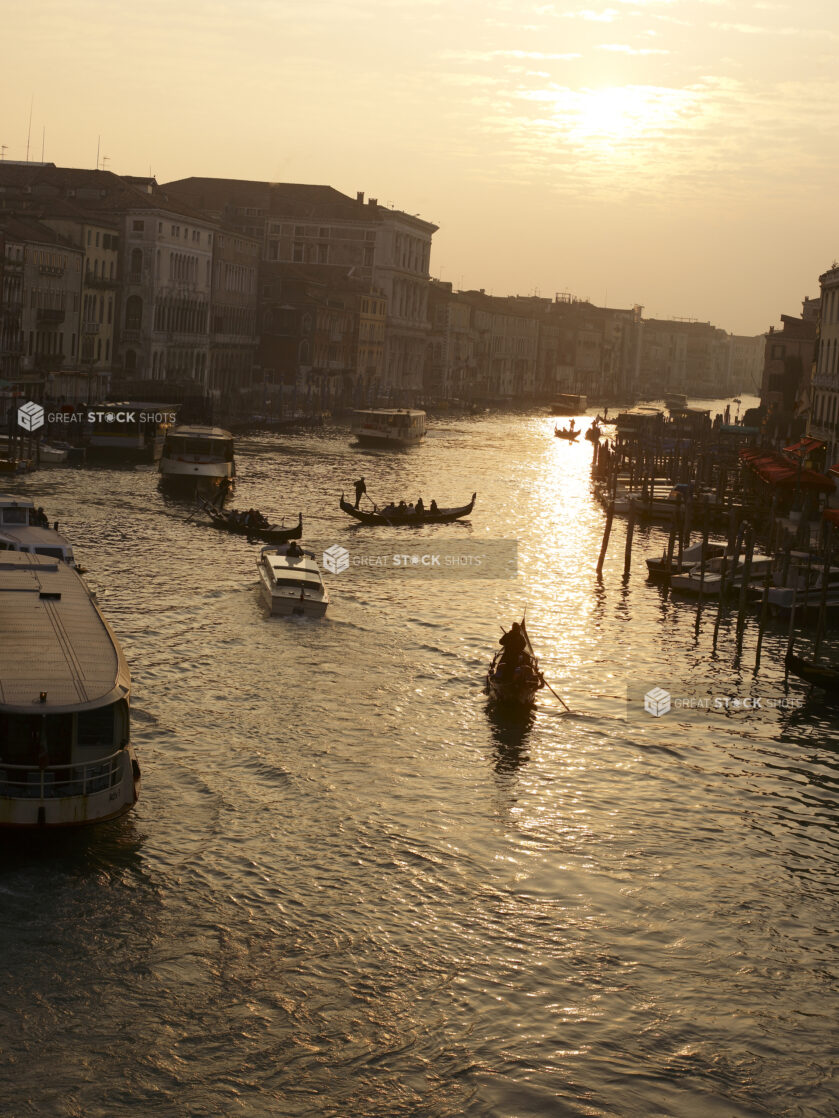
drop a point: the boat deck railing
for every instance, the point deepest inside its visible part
(24, 782)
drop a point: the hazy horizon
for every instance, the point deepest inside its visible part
(678, 154)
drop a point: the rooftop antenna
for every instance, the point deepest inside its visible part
(98, 138)
(2, 151)
(29, 131)
(105, 159)
(43, 139)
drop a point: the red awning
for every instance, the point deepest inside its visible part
(775, 469)
(805, 445)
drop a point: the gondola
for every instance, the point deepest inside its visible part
(514, 684)
(566, 433)
(393, 516)
(826, 678)
(271, 533)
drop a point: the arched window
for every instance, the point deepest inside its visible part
(133, 312)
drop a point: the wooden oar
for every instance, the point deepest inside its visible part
(541, 674)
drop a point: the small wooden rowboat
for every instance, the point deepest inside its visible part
(391, 515)
(514, 679)
(826, 678)
(270, 533)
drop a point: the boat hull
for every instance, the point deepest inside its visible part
(282, 603)
(39, 804)
(387, 442)
(442, 516)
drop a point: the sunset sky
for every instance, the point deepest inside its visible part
(680, 154)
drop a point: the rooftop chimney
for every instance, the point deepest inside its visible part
(373, 202)
(360, 197)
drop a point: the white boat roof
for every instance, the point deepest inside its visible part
(30, 535)
(194, 431)
(388, 411)
(9, 501)
(71, 653)
(302, 566)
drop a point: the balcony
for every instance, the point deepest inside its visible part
(130, 337)
(90, 327)
(102, 282)
(50, 269)
(50, 316)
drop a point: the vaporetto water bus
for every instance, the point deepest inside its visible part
(389, 426)
(65, 752)
(25, 528)
(197, 455)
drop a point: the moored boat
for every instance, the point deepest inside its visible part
(815, 674)
(291, 582)
(389, 426)
(65, 756)
(709, 583)
(25, 528)
(657, 568)
(195, 455)
(392, 514)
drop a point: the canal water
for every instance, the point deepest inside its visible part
(350, 889)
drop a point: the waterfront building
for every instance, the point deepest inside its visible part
(788, 358)
(233, 321)
(318, 226)
(43, 278)
(824, 409)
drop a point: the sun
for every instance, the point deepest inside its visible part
(612, 116)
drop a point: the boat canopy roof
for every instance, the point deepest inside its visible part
(302, 567)
(73, 659)
(389, 411)
(194, 431)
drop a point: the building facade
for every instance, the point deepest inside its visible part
(824, 407)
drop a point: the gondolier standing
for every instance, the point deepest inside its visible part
(360, 490)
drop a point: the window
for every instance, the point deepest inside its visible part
(138, 226)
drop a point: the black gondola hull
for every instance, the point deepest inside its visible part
(408, 520)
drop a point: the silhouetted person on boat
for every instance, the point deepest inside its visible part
(402, 507)
(360, 490)
(294, 550)
(432, 506)
(571, 425)
(513, 642)
(419, 506)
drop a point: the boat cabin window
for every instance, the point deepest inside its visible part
(298, 583)
(26, 739)
(208, 448)
(95, 727)
(53, 552)
(15, 516)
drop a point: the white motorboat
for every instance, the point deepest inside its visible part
(290, 581)
(65, 757)
(194, 454)
(25, 528)
(52, 453)
(693, 581)
(690, 557)
(389, 426)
